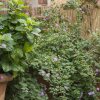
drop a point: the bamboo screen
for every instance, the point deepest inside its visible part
(91, 21)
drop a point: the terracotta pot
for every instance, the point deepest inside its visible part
(4, 79)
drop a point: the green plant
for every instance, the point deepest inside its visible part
(95, 42)
(72, 4)
(18, 33)
(75, 4)
(64, 59)
(26, 87)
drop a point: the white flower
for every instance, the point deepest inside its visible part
(3, 45)
(42, 72)
(98, 89)
(97, 70)
(91, 93)
(42, 93)
(48, 75)
(55, 59)
(57, 25)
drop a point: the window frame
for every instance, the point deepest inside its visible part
(43, 2)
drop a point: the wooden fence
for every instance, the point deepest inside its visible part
(91, 17)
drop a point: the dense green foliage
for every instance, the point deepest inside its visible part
(26, 87)
(64, 59)
(60, 55)
(18, 32)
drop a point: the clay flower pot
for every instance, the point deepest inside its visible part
(4, 79)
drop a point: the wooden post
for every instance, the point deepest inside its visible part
(4, 79)
(2, 90)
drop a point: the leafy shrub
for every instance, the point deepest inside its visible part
(18, 33)
(72, 4)
(63, 58)
(25, 87)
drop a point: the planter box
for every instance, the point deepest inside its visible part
(4, 79)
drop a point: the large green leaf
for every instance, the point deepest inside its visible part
(17, 54)
(28, 47)
(1, 3)
(6, 67)
(20, 28)
(7, 37)
(0, 38)
(30, 37)
(36, 31)
(18, 1)
(17, 67)
(3, 18)
(22, 21)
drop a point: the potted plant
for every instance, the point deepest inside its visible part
(18, 33)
